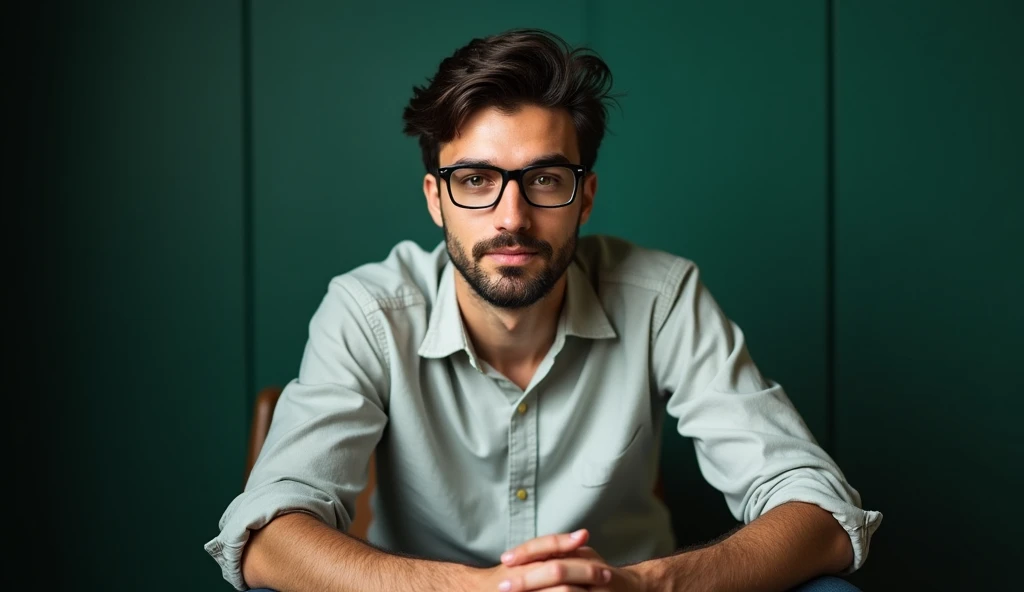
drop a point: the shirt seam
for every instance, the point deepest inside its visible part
(666, 286)
(669, 289)
(370, 305)
(637, 281)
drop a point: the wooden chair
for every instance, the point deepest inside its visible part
(261, 417)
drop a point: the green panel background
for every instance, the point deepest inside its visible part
(187, 181)
(139, 326)
(929, 212)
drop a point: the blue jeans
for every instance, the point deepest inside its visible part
(824, 584)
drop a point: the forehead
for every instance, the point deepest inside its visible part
(512, 140)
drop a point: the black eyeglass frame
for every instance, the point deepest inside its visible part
(445, 173)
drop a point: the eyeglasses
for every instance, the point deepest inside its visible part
(478, 186)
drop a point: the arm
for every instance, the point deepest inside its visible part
(298, 552)
(783, 548)
(316, 456)
(751, 443)
(786, 546)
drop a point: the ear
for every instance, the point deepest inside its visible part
(431, 192)
(589, 191)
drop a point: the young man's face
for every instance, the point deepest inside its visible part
(511, 254)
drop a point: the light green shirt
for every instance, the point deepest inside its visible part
(470, 465)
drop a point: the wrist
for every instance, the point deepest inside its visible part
(439, 576)
(463, 578)
(653, 575)
(471, 579)
(683, 572)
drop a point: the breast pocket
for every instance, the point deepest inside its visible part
(598, 470)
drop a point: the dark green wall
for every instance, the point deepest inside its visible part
(847, 174)
(929, 219)
(135, 118)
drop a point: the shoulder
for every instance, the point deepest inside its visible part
(407, 277)
(611, 260)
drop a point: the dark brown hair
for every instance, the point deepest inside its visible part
(509, 70)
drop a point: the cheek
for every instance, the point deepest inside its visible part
(559, 229)
(461, 228)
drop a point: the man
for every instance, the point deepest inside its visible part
(513, 382)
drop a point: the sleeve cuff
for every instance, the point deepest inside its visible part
(254, 509)
(229, 557)
(860, 528)
(859, 524)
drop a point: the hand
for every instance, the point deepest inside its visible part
(547, 547)
(556, 562)
(546, 562)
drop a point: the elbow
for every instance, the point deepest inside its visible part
(250, 566)
(843, 553)
(840, 556)
(254, 558)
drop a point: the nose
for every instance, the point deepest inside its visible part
(512, 214)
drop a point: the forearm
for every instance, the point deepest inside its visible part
(785, 547)
(298, 552)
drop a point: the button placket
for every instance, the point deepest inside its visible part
(522, 476)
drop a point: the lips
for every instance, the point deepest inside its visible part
(513, 246)
(510, 256)
(511, 252)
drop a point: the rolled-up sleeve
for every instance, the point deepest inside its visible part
(751, 443)
(325, 426)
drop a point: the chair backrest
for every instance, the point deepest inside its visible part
(261, 416)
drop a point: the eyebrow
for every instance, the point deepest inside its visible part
(550, 158)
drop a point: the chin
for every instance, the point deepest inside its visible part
(510, 272)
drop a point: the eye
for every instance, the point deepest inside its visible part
(474, 180)
(549, 178)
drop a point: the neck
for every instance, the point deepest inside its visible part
(513, 341)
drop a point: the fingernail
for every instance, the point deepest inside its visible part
(507, 557)
(505, 586)
(577, 535)
(607, 574)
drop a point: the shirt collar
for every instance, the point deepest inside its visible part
(445, 331)
(582, 315)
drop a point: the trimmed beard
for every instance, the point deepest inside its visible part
(513, 288)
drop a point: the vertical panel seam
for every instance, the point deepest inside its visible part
(248, 297)
(830, 231)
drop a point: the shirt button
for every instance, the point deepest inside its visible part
(521, 494)
(522, 408)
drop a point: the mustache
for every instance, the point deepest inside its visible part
(507, 241)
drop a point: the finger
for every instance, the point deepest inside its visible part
(545, 547)
(557, 573)
(587, 553)
(566, 589)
